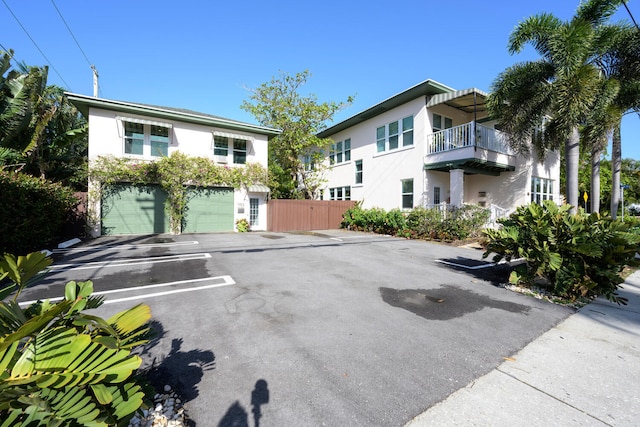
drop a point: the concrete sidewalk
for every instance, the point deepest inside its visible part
(583, 372)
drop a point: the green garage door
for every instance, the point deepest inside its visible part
(134, 209)
(208, 210)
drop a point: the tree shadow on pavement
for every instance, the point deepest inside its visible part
(182, 370)
(237, 416)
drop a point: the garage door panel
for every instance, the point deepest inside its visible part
(209, 210)
(130, 209)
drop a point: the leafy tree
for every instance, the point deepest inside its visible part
(562, 86)
(296, 155)
(39, 128)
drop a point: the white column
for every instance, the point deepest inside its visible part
(456, 185)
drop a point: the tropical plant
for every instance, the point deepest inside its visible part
(576, 255)
(559, 89)
(296, 155)
(60, 366)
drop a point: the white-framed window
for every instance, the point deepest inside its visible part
(436, 195)
(340, 152)
(220, 146)
(358, 171)
(239, 151)
(541, 189)
(441, 122)
(407, 194)
(254, 207)
(340, 193)
(395, 135)
(149, 140)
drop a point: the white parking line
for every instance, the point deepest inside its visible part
(122, 263)
(109, 246)
(226, 281)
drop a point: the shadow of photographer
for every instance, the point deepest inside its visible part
(237, 416)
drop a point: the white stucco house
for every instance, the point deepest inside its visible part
(431, 145)
(146, 133)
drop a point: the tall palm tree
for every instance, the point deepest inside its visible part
(561, 86)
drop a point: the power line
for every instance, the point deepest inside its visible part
(36, 45)
(71, 32)
(629, 12)
(92, 66)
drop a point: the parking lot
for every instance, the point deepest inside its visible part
(329, 328)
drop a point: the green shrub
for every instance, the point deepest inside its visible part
(61, 366)
(374, 220)
(576, 255)
(33, 212)
(242, 225)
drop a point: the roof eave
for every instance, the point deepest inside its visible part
(83, 103)
(427, 87)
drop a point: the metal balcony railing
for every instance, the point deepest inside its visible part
(468, 135)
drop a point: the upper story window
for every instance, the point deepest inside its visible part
(239, 151)
(220, 146)
(238, 147)
(149, 140)
(441, 122)
(395, 135)
(358, 171)
(340, 152)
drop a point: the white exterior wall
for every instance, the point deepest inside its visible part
(382, 172)
(106, 138)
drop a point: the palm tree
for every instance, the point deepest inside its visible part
(561, 86)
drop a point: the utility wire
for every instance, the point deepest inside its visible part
(36, 45)
(92, 66)
(71, 32)
(629, 12)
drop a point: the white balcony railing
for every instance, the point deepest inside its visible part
(468, 135)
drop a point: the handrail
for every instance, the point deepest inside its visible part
(468, 135)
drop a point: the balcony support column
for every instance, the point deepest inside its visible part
(456, 184)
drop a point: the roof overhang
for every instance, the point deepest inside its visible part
(467, 100)
(426, 88)
(471, 167)
(84, 103)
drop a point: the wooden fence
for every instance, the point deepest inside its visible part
(305, 215)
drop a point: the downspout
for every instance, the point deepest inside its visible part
(475, 117)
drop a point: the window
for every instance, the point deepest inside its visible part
(239, 151)
(394, 135)
(134, 138)
(220, 146)
(441, 122)
(407, 193)
(436, 195)
(340, 193)
(340, 152)
(142, 139)
(541, 189)
(254, 204)
(358, 171)
(159, 141)
(407, 131)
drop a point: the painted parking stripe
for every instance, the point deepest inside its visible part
(109, 246)
(125, 263)
(220, 282)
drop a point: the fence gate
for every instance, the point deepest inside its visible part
(305, 215)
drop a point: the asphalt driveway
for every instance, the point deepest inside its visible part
(330, 328)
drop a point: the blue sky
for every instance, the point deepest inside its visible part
(204, 55)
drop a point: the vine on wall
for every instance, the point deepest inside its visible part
(173, 174)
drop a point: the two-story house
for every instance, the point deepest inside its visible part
(432, 145)
(146, 133)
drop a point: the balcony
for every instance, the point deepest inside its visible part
(472, 147)
(465, 136)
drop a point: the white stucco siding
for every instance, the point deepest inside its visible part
(382, 172)
(106, 138)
